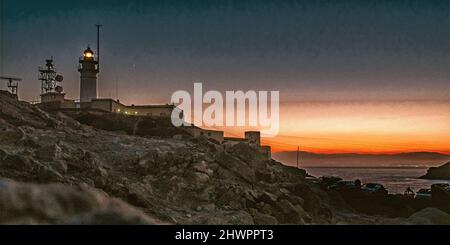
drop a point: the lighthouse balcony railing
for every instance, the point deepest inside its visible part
(80, 66)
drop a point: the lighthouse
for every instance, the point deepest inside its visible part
(88, 69)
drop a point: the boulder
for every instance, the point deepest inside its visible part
(59, 166)
(49, 153)
(247, 153)
(429, 216)
(46, 174)
(265, 176)
(310, 199)
(236, 166)
(289, 214)
(57, 204)
(17, 162)
(261, 218)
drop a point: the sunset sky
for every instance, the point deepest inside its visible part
(353, 76)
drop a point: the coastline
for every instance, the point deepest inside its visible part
(395, 179)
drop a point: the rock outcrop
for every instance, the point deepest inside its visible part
(441, 172)
(178, 180)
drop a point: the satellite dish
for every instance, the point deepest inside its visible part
(59, 89)
(59, 78)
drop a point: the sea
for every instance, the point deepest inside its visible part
(395, 180)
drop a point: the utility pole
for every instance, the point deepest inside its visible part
(298, 151)
(117, 89)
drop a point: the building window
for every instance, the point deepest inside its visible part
(209, 134)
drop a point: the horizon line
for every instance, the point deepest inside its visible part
(445, 153)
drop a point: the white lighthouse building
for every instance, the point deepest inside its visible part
(88, 81)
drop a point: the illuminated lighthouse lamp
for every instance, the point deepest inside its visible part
(88, 53)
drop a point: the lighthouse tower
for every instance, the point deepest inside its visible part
(88, 82)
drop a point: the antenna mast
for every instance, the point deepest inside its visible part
(117, 88)
(50, 80)
(98, 45)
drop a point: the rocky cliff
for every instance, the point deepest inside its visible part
(91, 169)
(185, 181)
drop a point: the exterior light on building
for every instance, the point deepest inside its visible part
(118, 110)
(126, 112)
(135, 113)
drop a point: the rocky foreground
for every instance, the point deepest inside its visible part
(110, 169)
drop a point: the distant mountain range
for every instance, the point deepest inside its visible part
(413, 159)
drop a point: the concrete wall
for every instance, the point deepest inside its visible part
(109, 105)
(266, 151)
(210, 134)
(118, 107)
(56, 101)
(153, 111)
(52, 97)
(229, 142)
(104, 105)
(68, 104)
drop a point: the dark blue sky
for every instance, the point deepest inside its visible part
(309, 50)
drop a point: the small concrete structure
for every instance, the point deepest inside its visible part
(253, 137)
(52, 97)
(266, 151)
(55, 100)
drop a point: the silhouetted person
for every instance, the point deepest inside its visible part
(409, 192)
(358, 183)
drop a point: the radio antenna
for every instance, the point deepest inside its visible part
(98, 45)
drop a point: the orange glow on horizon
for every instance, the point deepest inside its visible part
(343, 148)
(364, 128)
